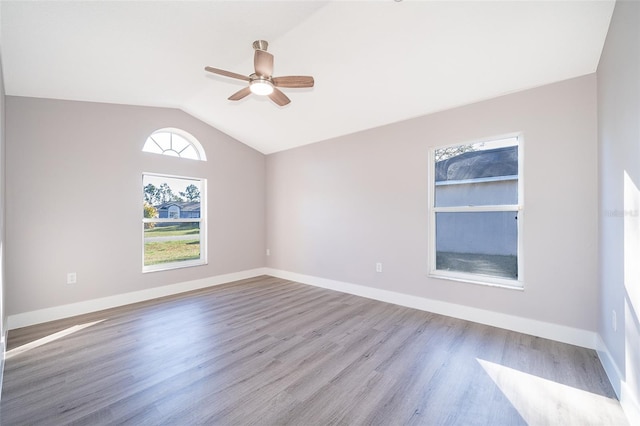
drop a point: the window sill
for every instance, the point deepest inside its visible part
(479, 280)
(174, 265)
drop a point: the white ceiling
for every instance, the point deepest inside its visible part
(374, 62)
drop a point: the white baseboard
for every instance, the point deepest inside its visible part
(3, 347)
(65, 311)
(560, 333)
(609, 365)
(628, 400)
(547, 330)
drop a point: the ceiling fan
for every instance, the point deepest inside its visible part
(262, 82)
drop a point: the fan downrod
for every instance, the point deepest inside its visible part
(260, 45)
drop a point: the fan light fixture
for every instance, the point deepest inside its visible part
(261, 87)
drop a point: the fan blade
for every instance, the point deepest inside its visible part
(240, 94)
(263, 63)
(293, 81)
(227, 73)
(278, 97)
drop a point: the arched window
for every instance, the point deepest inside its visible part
(175, 143)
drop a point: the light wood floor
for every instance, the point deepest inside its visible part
(266, 351)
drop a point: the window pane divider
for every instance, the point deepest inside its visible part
(490, 208)
(169, 220)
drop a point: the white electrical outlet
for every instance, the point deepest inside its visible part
(614, 320)
(379, 267)
(268, 252)
(72, 278)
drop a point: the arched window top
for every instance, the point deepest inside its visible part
(175, 143)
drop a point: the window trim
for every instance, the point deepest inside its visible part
(202, 226)
(485, 280)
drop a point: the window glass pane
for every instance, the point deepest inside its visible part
(484, 243)
(151, 146)
(163, 191)
(163, 139)
(169, 242)
(172, 221)
(190, 153)
(477, 174)
(178, 143)
(487, 193)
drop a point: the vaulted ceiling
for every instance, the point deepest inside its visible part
(374, 62)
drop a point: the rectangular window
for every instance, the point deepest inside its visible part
(476, 212)
(173, 222)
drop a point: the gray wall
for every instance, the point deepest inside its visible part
(619, 154)
(336, 207)
(74, 194)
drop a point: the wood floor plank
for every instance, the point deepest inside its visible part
(267, 351)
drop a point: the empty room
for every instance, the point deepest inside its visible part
(392, 212)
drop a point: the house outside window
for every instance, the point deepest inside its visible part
(476, 212)
(179, 210)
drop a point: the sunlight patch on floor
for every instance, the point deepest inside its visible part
(542, 402)
(48, 339)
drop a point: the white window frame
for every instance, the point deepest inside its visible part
(517, 284)
(202, 225)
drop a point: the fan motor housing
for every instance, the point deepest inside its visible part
(260, 45)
